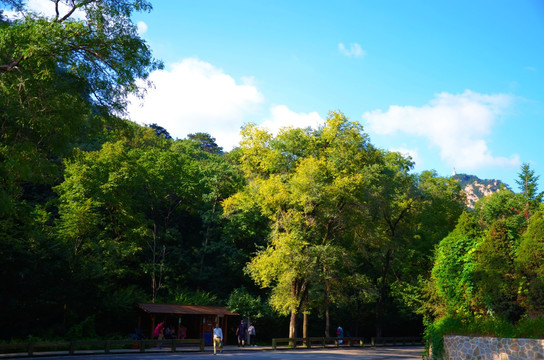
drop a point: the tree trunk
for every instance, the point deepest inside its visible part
(379, 318)
(327, 322)
(293, 325)
(305, 325)
(293, 322)
(157, 266)
(327, 315)
(204, 248)
(299, 291)
(383, 294)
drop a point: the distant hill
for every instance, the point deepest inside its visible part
(476, 188)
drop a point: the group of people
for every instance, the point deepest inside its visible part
(164, 332)
(246, 334)
(242, 332)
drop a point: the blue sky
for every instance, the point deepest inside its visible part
(455, 84)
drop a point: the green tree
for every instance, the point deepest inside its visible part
(528, 184)
(102, 50)
(120, 209)
(307, 183)
(438, 203)
(206, 142)
(455, 267)
(530, 263)
(160, 131)
(246, 304)
(219, 180)
(495, 276)
(482, 280)
(56, 76)
(393, 202)
(150, 208)
(61, 79)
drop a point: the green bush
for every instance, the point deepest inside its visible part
(434, 332)
(530, 328)
(84, 330)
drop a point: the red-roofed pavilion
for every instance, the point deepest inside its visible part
(189, 321)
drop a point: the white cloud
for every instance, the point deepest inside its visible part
(194, 96)
(354, 50)
(249, 80)
(11, 15)
(456, 124)
(142, 27)
(281, 117)
(45, 8)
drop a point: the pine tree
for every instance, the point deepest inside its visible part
(528, 184)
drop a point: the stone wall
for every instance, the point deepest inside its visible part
(491, 348)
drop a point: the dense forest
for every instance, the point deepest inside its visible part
(302, 231)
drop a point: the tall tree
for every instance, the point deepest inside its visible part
(121, 207)
(57, 74)
(61, 77)
(528, 184)
(530, 264)
(404, 213)
(102, 48)
(307, 183)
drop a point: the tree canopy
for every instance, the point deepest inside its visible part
(331, 199)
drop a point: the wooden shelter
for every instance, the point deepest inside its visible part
(187, 321)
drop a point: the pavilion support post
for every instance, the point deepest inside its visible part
(225, 332)
(179, 327)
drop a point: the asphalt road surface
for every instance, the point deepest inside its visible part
(381, 353)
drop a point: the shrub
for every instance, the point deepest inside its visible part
(530, 328)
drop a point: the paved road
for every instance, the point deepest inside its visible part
(381, 353)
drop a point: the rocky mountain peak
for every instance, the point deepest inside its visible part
(476, 188)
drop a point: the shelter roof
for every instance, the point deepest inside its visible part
(184, 309)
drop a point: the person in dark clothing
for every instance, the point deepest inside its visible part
(241, 332)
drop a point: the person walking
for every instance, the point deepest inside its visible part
(158, 333)
(340, 334)
(251, 332)
(217, 339)
(241, 332)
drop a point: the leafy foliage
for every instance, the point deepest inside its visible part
(488, 271)
(340, 213)
(246, 304)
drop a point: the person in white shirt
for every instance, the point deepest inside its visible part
(217, 339)
(251, 332)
